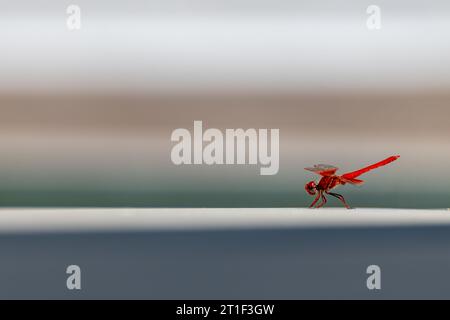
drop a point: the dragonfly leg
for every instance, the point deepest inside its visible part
(316, 199)
(340, 197)
(324, 200)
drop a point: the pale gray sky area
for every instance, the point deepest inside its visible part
(280, 46)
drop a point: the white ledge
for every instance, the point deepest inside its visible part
(156, 219)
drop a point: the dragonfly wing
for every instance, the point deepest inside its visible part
(353, 181)
(323, 169)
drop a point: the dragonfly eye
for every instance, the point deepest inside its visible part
(310, 187)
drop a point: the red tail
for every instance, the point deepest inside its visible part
(354, 174)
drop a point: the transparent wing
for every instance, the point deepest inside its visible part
(323, 169)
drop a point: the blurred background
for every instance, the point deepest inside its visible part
(86, 115)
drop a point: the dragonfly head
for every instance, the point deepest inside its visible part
(311, 188)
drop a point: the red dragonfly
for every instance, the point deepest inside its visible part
(329, 180)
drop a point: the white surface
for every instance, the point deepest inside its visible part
(291, 253)
(129, 219)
